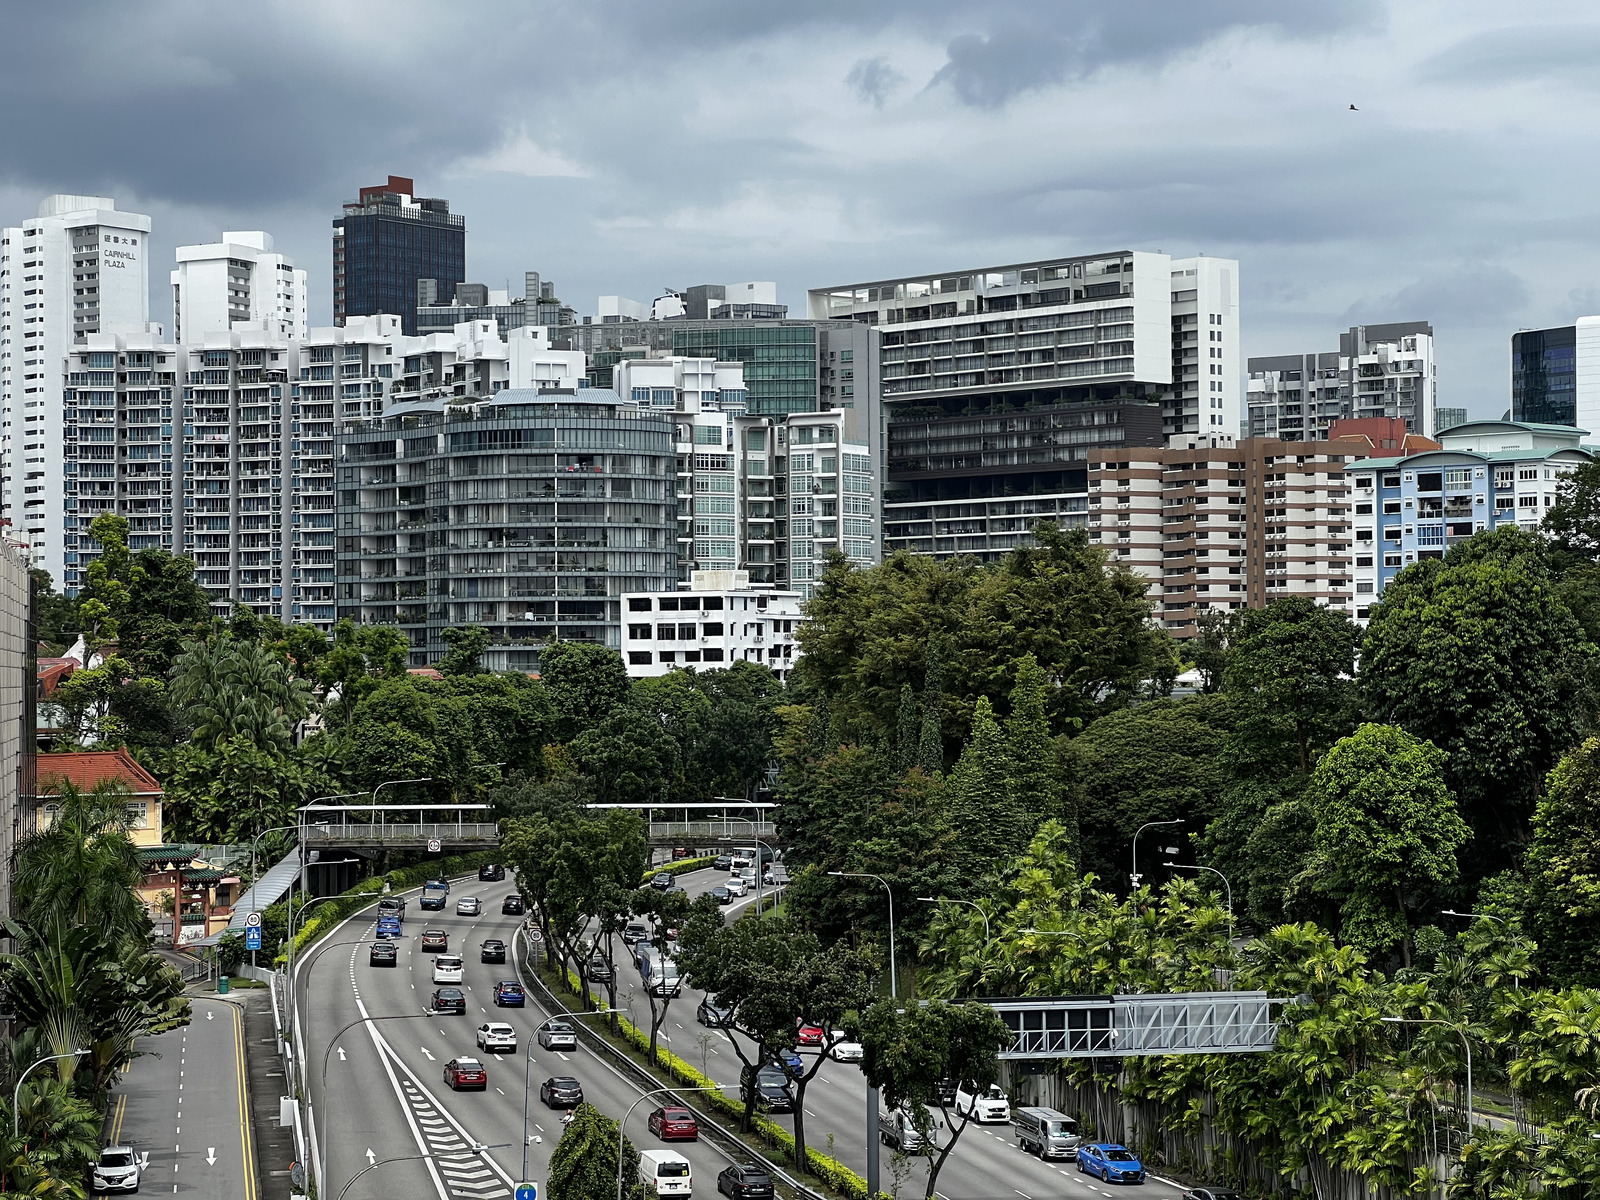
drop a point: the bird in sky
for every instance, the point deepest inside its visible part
(1353, 108)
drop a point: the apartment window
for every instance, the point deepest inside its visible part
(639, 658)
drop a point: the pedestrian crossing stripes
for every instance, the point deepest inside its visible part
(466, 1173)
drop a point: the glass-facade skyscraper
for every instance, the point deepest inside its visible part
(385, 242)
(1544, 376)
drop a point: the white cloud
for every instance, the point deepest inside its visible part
(519, 154)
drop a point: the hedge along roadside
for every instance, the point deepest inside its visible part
(830, 1170)
(681, 867)
(331, 912)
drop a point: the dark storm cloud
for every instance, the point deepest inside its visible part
(872, 79)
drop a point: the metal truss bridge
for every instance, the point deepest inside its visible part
(712, 823)
(1121, 1026)
(396, 827)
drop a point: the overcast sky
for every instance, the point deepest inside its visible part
(628, 147)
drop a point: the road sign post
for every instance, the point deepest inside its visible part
(252, 937)
(527, 1191)
(252, 920)
(433, 846)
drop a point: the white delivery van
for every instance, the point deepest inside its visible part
(667, 1171)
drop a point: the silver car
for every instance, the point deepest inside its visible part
(558, 1035)
(468, 906)
(116, 1170)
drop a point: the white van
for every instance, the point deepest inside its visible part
(985, 1106)
(447, 968)
(667, 1171)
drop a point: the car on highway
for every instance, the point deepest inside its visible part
(843, 1049)
(724, 862)
(464, 1074)
(674, 889)
(809, 1035)
(635, 932)
(561, 1091)
(661, 882)
(987, 1106)
(448, 968)
(436, 940)
(491, 873)
(944, 1093)
(388, 926)
(1210, 1191)
(511, 906)
(712, 1014)
(383, 954)
(468, 906)
(1110, 1162)
(745, 1181)
(492, 950)
(793, 1061)
(737, 886)
(496, 1037)
(597, 969)
(673, 1124)
(558, 1035)
(508, 993)
(722, 895)
(449, 1000)
(433, 894)
(748, 874)
(769, 1086)
(116, 1169)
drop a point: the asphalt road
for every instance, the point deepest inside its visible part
(385, 1093)
(182, 1107)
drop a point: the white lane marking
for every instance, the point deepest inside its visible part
(424, 1050)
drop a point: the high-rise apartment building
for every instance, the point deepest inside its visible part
(77, 269)
(1221, 528)
(538, 305)
(387, 241)
(997, 384)
(1555, 374)
(239, 281)
(530, 513)
(1482, 475)
(1378, 371)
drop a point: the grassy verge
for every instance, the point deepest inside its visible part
(671, 1069)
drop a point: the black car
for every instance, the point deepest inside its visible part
(722, 895)
(747, 1182)
(450, 1000)
(711, 1014)
(674, 889)
(383, 954)
(511, 906)
(491, 872)
(493, 950)
(724, 862)
(598, 969)
(561, 1091)
(945, 1092)
(1210, 1191)
(771, 1088)
(661, 882)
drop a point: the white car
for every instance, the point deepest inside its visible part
(468, 906)
(447, 968)
(497, 1036)
(844, 1051)
(737, 886)
(116, 1170)
(985, 1107)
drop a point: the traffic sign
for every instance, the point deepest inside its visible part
(527, 1191)
(252, 920)
(252, 937)
(433, 845)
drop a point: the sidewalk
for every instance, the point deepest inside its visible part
(182, 1106)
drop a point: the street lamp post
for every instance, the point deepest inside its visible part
(327, 1054)
(942, 900)
(873, 1095)
(1219, 875)
(16, 1092)
(1465, 1045)
(1476, 916)
(1134, 877)
(527, 1070)
(761, 867)
(622, 1125)
(254, 842)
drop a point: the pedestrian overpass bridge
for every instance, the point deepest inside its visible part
(706, 824)
(435, 827)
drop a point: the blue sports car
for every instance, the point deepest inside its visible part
(1111, 1162)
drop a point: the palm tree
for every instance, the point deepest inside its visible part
(83, 868)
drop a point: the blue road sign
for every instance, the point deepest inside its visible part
(252, 937)
(527, 1191)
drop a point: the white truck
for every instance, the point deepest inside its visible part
(897, 1129)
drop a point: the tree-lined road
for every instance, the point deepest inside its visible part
(385, 1091)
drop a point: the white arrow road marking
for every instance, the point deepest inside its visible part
(424, 1050)
(371, 1157)
(341, 1053)
(211, 1156)
(210, 1015)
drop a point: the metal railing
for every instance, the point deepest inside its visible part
(393, 833)
(690, 830)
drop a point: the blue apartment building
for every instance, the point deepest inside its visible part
(1486, 474)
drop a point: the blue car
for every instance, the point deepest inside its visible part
(1111, 1162)
(388, 927)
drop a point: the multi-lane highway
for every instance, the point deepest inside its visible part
(385, 1097)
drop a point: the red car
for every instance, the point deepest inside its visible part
(466, 1073)
(435, 939)
(810, 1035)
(674, 1125)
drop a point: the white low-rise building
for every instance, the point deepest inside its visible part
(237, 282)
(721, 620)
